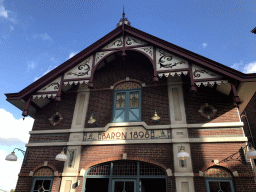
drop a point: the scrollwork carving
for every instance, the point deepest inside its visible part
(131, 40)
(54, 85)
(165, 60)
(117, 42)
(197, 73)
(85, 66)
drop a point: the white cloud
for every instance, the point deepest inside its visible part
(48, 70)
(237, 66)
(72, 54)
(11, 28)
(14, 134)
(6, 14)
(31, 65)
(43, 36)
(14, 129)
(204, 45)
(10, 169)
(3, 12)
(250, 68)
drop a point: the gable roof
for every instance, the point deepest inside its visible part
(181, 52)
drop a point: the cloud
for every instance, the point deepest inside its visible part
(14, 134)
(204, 45)
(31, 65)
(15, 130)
(43, 36)
(250, 68)
(3, 12)
(10, 169)
(237, 66)
(6, 14)
(11, 27)
(72, 54)
(48, 70)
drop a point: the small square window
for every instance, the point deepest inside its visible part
(42, 184)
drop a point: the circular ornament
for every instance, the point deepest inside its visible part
(55, 118)
(207, 111)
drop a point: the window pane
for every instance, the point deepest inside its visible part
(119, 116)
(38, 184)
(119, 186)
(225, 186)
(120, 100)
(134, 114)
(214, 186)
(129, 186)
(47, 184)
(134, 99)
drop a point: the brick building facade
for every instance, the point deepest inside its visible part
(120, 81)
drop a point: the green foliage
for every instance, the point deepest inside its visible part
(12, 190)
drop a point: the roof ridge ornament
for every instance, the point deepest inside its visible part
(123, 20)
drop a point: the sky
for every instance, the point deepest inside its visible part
(37, 36)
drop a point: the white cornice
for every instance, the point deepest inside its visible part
(143, 124)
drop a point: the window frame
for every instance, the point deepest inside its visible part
(219, 179)
(41, 178)
(126, 108)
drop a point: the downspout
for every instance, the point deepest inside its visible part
(248, 124)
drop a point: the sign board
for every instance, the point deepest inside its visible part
(127, 133)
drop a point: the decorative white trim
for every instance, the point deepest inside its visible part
(147, 50)
(31, 173)
(100, 55)
(70, 174)
(129, 124)
(183, 174)
(115, 142)
(235, 174)
(55, 173)
(42, 96)
(82, 172)
(211, 83)
(132, 41)
(76, 82)
(118, 42)
(169, 172)
(201, 73)
(201, 173)
(45, 163)
(172, 73)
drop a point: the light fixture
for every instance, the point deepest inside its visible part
(63, 157)
(93, 121)
(182, 155)
(156, 118)
(13, 157)
(251, 154)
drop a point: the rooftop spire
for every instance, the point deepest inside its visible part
(123, 20)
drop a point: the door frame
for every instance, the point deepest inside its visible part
(114, 180)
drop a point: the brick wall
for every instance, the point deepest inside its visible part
(224, 132)
(203, 154)
(134, 66)
(159, 153)
(226, 111)
(65, 107)
(61, 137)
(36, 157)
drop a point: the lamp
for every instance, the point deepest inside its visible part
(63, 157)
(251, 154)
(93, 121)
(156, 117)
(13, 157)
(182, 155)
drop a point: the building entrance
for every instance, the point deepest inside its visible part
(125, 176)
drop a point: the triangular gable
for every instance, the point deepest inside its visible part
(168, 59)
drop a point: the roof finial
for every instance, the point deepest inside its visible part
(123, 20)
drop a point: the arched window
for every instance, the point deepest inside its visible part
(129, 176)
(219, 179)
(43, 178)
(127, 102)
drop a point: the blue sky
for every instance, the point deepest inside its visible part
(37, 36)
